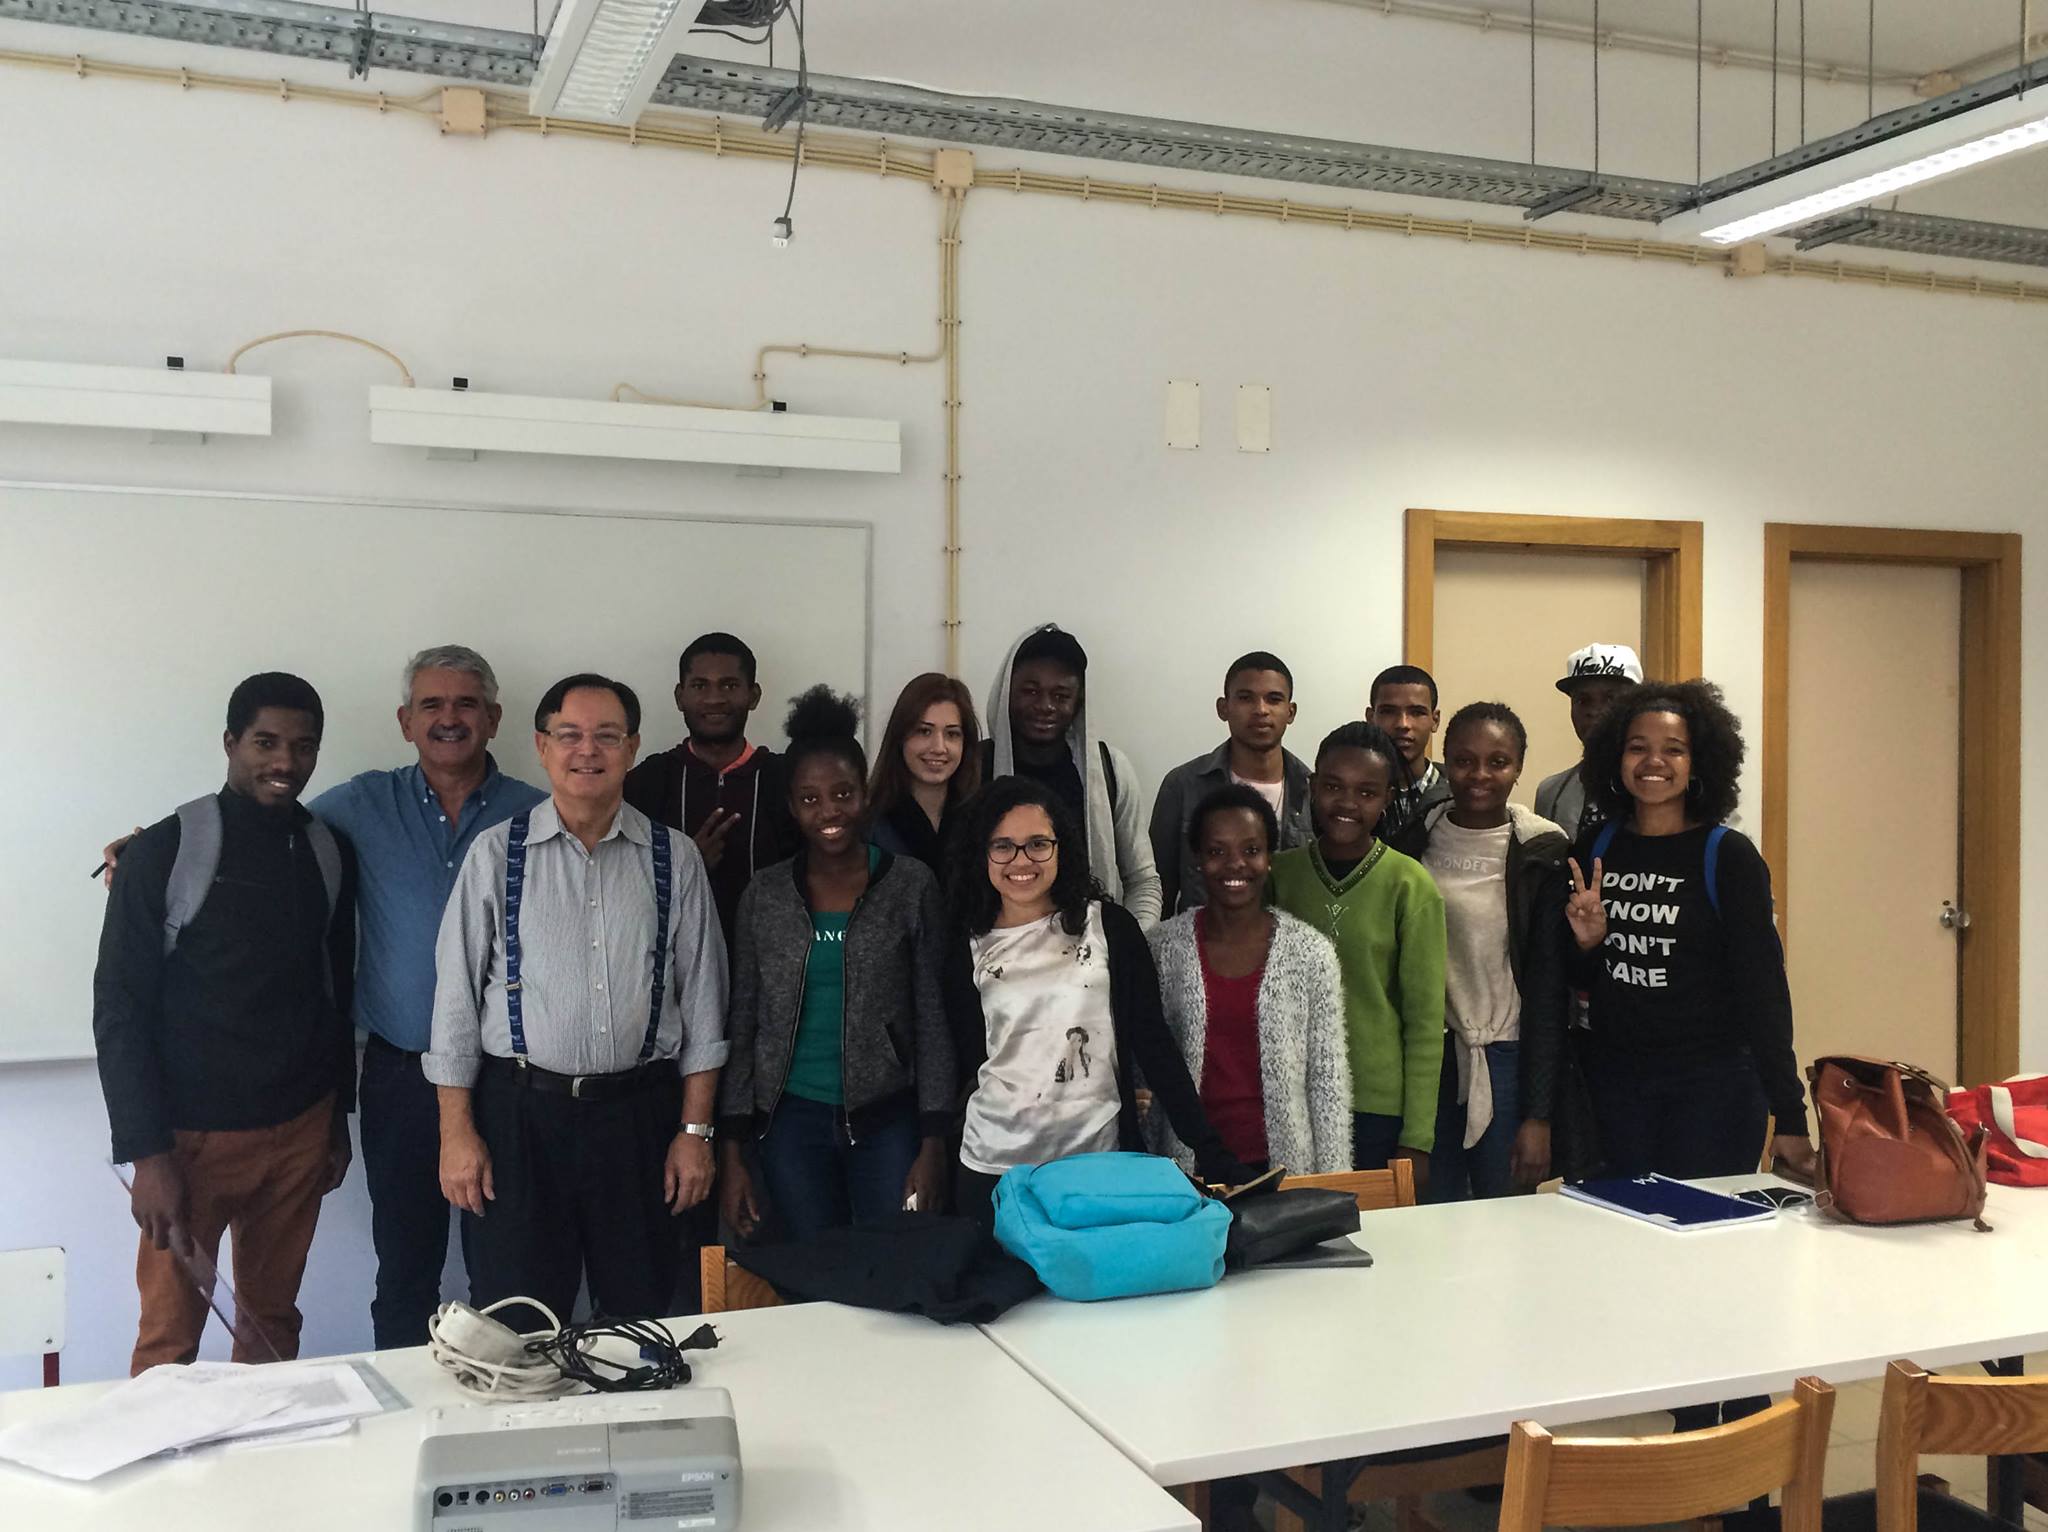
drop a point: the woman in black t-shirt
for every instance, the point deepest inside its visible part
(1671, 917)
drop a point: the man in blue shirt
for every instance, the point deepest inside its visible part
(411, 828)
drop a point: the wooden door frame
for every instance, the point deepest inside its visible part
(1670, 551)
(1988, 1002)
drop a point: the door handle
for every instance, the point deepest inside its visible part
(1953, 919)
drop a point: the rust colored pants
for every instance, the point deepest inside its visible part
(264, 1184)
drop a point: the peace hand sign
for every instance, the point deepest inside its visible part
(1583, 910)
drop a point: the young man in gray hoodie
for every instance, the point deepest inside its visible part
(1039, 728)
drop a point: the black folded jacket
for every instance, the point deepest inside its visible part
(948, 1269)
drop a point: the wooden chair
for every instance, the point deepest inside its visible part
(1393, 1187)
(1988, 1417)
(1635, 1481)
(727, 1285)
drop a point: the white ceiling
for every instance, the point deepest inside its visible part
(1913, 37)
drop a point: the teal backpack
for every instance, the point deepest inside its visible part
(1115, 1225)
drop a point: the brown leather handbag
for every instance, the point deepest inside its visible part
(1889, 1151)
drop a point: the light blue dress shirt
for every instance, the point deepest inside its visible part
(407, 856)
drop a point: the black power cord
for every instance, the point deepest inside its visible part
(662, 1363)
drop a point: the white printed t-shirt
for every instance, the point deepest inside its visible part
(1048, 1088)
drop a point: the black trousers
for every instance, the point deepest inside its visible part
(1704, 1119)
(1687, 1121)
(400, 1121)
(579, 1194)
(974, 1195)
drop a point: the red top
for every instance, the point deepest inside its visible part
(1233, 1096)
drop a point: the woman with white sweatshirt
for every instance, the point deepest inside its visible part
(1500, 869)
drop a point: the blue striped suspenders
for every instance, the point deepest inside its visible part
(515, 889)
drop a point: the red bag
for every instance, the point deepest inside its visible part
(2014, 1117)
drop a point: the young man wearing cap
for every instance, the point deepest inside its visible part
(1593, 677)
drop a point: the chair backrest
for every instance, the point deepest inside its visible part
(1980, 1417)
(1393, 1187)
(729, 1285)
(32, 1303)
(1633, 1481)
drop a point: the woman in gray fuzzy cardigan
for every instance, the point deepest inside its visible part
(1255, 999)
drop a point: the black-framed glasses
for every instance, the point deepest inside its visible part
(1039, 848)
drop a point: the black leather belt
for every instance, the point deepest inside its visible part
(606, 1087)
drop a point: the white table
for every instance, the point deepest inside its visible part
(1479, 1314)
(848, 1420)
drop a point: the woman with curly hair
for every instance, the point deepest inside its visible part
(1671, 919)
(1054, 1003)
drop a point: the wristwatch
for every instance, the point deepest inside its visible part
(702, 1130)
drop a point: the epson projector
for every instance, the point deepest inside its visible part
(594, 1463)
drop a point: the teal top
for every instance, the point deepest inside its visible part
(814, 1060)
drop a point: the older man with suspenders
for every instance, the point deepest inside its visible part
(579, 1025)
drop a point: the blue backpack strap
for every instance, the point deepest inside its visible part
(515, 888)
(663, 888)
(1714, 838)
(1602, 842)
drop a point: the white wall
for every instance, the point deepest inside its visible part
(1405, 372)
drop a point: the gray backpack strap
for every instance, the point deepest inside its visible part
(327, 852)
(192, 870)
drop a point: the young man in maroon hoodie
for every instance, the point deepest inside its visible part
(729, 796)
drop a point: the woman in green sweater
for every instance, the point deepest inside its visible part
(1383, 913)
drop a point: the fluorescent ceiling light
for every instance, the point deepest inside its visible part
(134, 398)
(604, 58)
(1940, 148)
(469, 421)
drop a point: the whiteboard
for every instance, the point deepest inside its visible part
(127, 616)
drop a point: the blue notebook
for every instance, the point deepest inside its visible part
(1669, 1204)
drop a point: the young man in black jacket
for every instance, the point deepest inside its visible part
(221, 1014)
(729, 796)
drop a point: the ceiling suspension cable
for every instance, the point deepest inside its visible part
(1802, 74)
(1774, 78)
(1699, 90)
(1596, 89)
(1532, 82)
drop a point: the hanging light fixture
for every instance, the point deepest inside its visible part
(1907, 148)
(604, 58)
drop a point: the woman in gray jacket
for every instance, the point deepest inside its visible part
(1256, 1001)
(840, 1070)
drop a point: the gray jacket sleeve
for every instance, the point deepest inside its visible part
(697, 958)
(736, 1104)
(936, 1068)
(1166, 841)
(463, 954)
(1133, 847)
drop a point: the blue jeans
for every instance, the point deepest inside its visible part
(815, 1180)
(1455, 1172)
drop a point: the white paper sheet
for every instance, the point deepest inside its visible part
(173, 1409)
